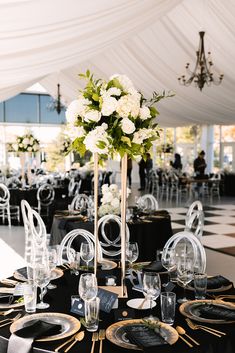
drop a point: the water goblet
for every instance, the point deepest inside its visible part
(42, 279)
(87, 253)
(169, 263)
(185, 272)
(152, 289)
(88, 287)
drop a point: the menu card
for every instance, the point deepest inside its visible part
(107, 300)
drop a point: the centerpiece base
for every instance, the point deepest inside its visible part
(117, 290)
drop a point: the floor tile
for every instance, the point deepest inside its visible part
(220, 228)
(218, 241)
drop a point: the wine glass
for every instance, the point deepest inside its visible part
(151, 289)
(88, 287)
(185, 271)
(87, 253)
(42, 279)
(169, 262)
(132, 252)
(52, 262)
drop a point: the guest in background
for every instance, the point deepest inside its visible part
(177, 164)
(142, 174)
(199, 164)
(129, 170)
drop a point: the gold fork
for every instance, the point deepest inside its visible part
(95, 337)
(9, 321)
(101, 338)
(213, 331)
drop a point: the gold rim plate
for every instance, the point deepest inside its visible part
(56, 273)
(115, 334)
(70, 325)
(108, 264)
(186, 309)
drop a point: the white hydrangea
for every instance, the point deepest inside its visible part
(95, 136)
(144, 113)
(109, 105)
(26, 141)
(104, 188)
(128, 127)
(107, 197)
(76, 108)
(105, 209)
(142, 134)
(92, 115)
(30, 149)
(80, 131)
(128, 105)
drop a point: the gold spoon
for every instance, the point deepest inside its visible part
(79, 337)
(181, 331)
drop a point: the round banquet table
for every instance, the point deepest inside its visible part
(150, 233)
(67, 285)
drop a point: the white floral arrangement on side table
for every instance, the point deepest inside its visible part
(111, 200)
(25, 143)
(113, 117)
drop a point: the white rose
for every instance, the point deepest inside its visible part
(128, 105)
(109, 105)
(115, 203)
(124, 81)
(128, 127)
(30, 149)
(104, 188)
(92, 115)
(113, 188)
(76, 108)
(107, 198)
(93, 138)
(80, 131)
(114, 91)
(144, 113)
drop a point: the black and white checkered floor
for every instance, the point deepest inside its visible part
(219, 228)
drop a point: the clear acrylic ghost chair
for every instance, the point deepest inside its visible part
(6, 210)
(45, 197)
(35, 231)
(73, 187)
(66, 250)
(195, 206)
(195, 223)
(111, 247)
(80, 201)
(187, 245)
(147, 203)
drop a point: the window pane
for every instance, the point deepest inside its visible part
(1, 112)
(22, 108)
(50, 116)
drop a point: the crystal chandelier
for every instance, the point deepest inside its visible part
(56, 104)
(202, 72)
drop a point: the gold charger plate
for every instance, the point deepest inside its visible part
(56, 273)
(70, 325)
(190, 310)
(108, 264)
(116, 335)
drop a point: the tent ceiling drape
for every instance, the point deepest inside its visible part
(148, 40)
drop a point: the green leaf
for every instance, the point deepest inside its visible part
(117, 84)
(95, 97)
(88, 73)
(126, 140)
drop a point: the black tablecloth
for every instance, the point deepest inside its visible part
(149, 234)
(59, 300)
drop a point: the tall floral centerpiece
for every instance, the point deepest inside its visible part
(113, 117)
(25, 145)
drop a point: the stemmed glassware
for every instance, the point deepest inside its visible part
(88, 287)
(52, 262)
(87, 253)
(151, 288)
(169, 262)
(132, 252)
(42, 279)
(185, 272)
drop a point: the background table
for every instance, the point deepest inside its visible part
(150, 233)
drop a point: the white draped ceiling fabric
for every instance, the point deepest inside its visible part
(51, 41)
